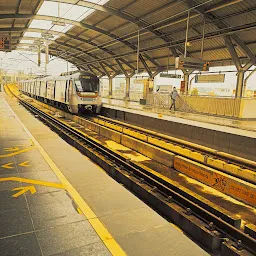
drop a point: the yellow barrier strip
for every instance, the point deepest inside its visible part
(98, 226)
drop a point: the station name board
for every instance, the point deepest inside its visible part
(216, 78)
(170, 75)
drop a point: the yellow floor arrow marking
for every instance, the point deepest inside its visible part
(24, 164)
(17, 152)
(35, 182)
(98, 226)
(23, 190)
(7, 166)
(11, 149)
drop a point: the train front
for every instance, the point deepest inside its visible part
(87, 87)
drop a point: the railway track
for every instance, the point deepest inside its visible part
(209, 227)
(226, 162)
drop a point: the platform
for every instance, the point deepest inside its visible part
(55, 201)
(223, 134)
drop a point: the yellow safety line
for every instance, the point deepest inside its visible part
(98, 226)
(35, 182)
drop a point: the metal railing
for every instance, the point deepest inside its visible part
(136, 96)
(197, 104)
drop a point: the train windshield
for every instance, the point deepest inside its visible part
(87, 85)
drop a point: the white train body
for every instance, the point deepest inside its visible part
(75, 92)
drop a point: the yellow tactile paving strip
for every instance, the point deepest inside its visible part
(99, 228)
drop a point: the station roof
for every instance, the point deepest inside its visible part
(102, 36)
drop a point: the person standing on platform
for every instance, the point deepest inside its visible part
(174, 94)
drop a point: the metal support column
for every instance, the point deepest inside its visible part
(240, 83)
(127, 88)
(246, 80)
(110, 87)
(186, 79)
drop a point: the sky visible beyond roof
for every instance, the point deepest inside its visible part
(26, 60)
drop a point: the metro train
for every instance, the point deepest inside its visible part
(75, 91)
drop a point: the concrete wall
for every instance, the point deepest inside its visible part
(220, 140)
(248, 108)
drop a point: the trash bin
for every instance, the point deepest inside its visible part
(143, 101)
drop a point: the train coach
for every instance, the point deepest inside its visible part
(74, 92)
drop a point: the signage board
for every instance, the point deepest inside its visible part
(59, 23)
(216, 78)
(191, 64)
(139, 81)
(164, 89)
(170, 75)
(5, 42)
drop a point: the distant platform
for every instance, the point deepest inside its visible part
(224, 134)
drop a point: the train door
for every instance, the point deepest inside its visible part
(68, 91)
(34, 88)
(45, 94)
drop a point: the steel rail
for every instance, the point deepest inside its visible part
(190, 145)
(144, 175)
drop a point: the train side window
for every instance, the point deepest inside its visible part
(66, 90)
(54, 89)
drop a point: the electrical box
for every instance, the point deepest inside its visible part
(5, 43)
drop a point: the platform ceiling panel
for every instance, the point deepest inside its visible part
(110, 28)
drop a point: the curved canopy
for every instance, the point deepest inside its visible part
(102, 35)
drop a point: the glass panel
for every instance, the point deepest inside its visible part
(87, 85)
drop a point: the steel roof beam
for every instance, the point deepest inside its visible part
(123, 15)
(105, 70)
(145, 66)
(74, 55)
(109, 66)
(98, 69)
(244, 48)
(65, 57)
(90, 69)
(75, 23)
(121, 67)
(210, 35)
(169, 22)
(163, 68)
(220, 24)
(232, 52)
(69, 37)
(37, 7)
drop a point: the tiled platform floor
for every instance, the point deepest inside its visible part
(47, 223)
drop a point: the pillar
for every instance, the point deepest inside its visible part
(186, 80)
(246, 80)
(240, 83)
(110, 87)
(127, 88)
